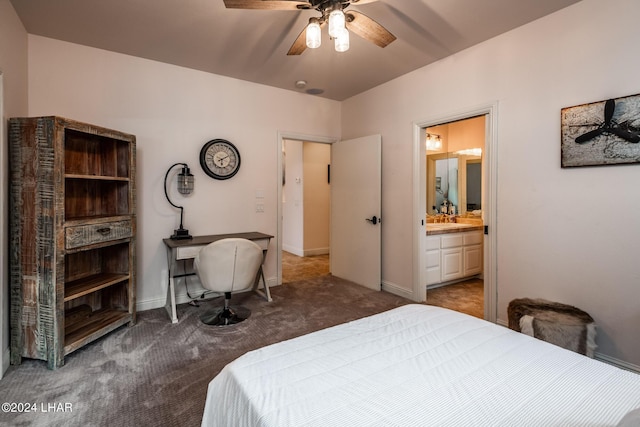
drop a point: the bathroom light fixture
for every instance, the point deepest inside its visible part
(185, 186)
(471, 152)
(434, 142)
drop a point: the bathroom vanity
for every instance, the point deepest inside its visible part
(453, 252)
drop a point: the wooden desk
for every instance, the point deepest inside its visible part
(189, 248)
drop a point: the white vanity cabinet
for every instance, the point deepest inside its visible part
(453, 256)
(433, 260)
(472, 253)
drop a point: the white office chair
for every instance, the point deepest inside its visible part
(228, 265)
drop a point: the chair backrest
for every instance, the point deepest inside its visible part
(228, 265)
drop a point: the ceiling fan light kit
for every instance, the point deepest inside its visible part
(333, 13)
(314, 38)
(336, 22)
(342, 41)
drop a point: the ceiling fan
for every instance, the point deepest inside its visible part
(333, 12)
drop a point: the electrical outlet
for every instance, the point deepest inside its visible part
(260, 207)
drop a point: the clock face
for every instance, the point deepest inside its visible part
(220, 159)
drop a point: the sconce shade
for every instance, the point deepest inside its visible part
(314, 39)
(185, 181)
(342, 41)
(336, 23)
(433, 142)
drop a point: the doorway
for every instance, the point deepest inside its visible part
(454, 164)
(464, 202)
(305, 204)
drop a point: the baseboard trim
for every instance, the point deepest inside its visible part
(617, 362)
(393, 288)
(305, 252)
(182, 297)
(599, 356)
(316, 251)
(292, 250)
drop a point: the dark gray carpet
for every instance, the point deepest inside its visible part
(156, 373)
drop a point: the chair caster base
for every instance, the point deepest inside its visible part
(225, 316)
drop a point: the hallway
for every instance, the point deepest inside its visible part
(295, 268)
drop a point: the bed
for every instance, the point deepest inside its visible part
(418, 365)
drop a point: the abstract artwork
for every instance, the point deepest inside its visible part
(601, 133)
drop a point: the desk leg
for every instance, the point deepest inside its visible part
(266, 294)
(170, 305)
(171, 301)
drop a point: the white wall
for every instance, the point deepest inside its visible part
(13, 68)
(557, 238)
(173, 111)
(317, 195)
(292, 200)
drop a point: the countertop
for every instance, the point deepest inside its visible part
(444, 228)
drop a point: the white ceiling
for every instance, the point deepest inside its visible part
(252, 44)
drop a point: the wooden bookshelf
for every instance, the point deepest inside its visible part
(72, 192)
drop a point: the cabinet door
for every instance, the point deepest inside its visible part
(451, 264)
(472, 260)
(433, 260)
(433, 267)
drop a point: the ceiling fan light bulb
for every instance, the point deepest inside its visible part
(342, 41)
(314, 39)
(336, 23)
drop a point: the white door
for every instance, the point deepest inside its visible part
(356, 181)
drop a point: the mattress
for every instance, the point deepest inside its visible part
(418, 365)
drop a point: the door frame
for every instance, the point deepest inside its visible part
(490, 202)
(282, 135)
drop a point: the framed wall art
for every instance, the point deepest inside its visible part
(601, 133)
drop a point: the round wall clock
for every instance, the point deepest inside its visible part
(220, 159)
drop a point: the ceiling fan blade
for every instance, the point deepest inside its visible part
(267, 4)
(359, 2)
(300, 44)
(368, 29)
(589, 135)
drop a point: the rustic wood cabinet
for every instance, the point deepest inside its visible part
(72, 235)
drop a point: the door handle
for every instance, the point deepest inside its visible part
(374, 220)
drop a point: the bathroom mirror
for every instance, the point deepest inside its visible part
(454, 165)
(456, 178)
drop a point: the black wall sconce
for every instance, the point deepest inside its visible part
(185, 186)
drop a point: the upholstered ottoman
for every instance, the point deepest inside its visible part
(560, 324)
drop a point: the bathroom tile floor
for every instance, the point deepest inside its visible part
(465, 297)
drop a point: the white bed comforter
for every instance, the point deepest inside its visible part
(418, 365)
